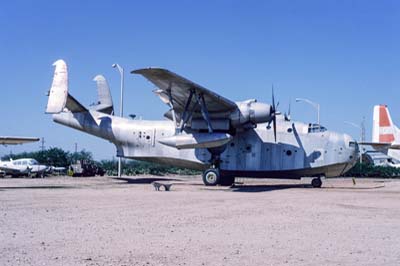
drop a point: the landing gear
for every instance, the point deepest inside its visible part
(211, 177)
(316, 182)
(40, 175)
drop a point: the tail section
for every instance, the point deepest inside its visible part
(383, 128)
(104, 103)
(59, 98)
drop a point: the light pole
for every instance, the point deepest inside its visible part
(313, 104)
(121, 106)
(361, 135)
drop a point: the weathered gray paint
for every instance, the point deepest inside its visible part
(250, 150)
(248, 146)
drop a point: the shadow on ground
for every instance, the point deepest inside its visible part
(34, 187)
(144, 180)
(266, 188)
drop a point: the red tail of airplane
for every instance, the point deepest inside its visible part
(383, 128)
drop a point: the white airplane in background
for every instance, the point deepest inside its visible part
(13, 140)
(23, 167)
(385, 134)
(8, 140)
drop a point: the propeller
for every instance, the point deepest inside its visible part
(273, 113)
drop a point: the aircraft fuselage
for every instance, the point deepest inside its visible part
(300, 150)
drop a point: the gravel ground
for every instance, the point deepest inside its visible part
(106, 221)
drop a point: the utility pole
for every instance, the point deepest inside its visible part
(42, 147)
(363, 129)
(76, 147)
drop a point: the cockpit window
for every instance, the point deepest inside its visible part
(33, 162)
(352, 144)
(315, 128)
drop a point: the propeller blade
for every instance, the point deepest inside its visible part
(273, 99)
(274, 111)
(274, 124)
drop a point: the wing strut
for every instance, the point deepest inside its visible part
(171, 103)
(204, 111)
(185, 115)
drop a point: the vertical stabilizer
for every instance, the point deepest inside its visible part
(383, 128)
(104, 100)
(59, 89)
(59, 97)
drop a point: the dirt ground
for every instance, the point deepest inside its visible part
(107, 221)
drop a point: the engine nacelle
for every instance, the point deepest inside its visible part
(251, 112)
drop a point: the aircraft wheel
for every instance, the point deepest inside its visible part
(227, 180)
(211, 177)
(316, 182)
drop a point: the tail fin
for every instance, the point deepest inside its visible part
(383, 128)
(104, 100)
(59, 98)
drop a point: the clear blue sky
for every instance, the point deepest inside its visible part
(343, 54)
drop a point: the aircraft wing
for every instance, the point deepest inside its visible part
(176, 90)
(382, 145)
(10, 170)
(7, 140)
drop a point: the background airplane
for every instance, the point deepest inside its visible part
(385, 134)
(23, 167)
(12, 140)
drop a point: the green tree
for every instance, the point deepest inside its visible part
(79, 156)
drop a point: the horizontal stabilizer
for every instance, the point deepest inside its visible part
(382, 145)
(74, 106)
(58, 94)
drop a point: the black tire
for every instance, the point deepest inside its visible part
(227, 180)
(316, 182)
(211, 177)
